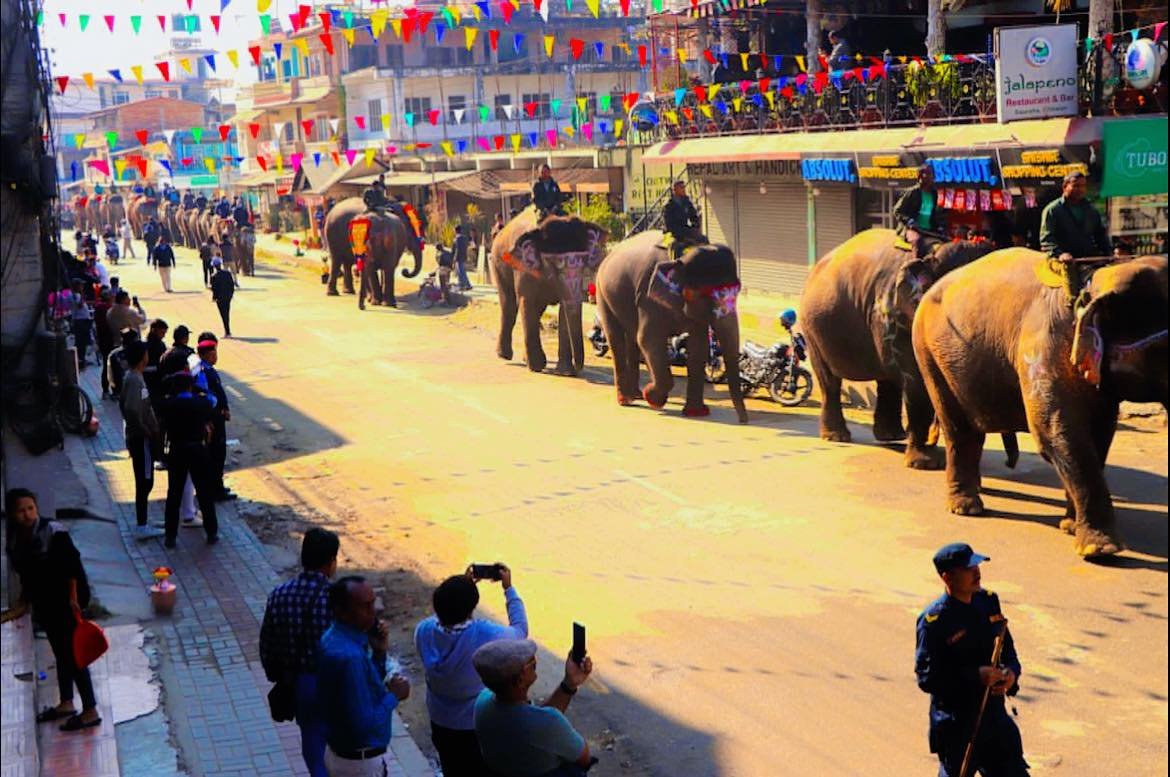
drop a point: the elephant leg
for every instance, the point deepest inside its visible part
(347, 277)
(564, 342)
(833, 426)
(1079, 456)
(334, 274)
(920, 453)
(964, 443)
(508, 309)
(530, 319)
(887, 416)
(388, 297)
(696, 373)
(625, 360)
(363, 288)
(652, 343)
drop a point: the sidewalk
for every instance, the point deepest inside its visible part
(209, 714)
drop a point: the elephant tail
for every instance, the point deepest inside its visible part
(1011, 447)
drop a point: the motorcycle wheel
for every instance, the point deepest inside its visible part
(716, 370)
(601, 350)
(791, 393)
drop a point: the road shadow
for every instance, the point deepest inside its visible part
(255, 340)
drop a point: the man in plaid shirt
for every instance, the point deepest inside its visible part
(296, 616)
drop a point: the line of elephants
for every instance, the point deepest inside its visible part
(188, 228)
(970, 341)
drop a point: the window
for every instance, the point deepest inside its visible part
(456, 102)
(362, 56)
(149, 93)
(618, 55)
(268, 68)
(438, 56)
(543, 111)
(420, 107)
(314, 66)
(121, 98)
(374, 115)
(508, 50)
(503, 101)
(393, 55)
(464, 56)
(181, 22)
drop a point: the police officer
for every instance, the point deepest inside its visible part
(187, 417)
(956, 636)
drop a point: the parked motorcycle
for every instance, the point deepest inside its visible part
(778, 367)
(676, 352)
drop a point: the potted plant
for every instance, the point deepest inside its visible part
(163, 593)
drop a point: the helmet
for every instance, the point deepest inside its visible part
(788, 317)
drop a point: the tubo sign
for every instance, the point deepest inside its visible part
(1035, 72)
(1135, 157)
(1041, 167)
(818, 169)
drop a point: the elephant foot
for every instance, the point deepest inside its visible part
(392, 303)
(565, 370)
(836, 435)
(701, 411)
(332, 293)
(625, 401)
(504, 353)
(962, 504)
(925, 458)
(1095, 543)
(350, 291)
(650, 401)
(883, 432)
(537, 365)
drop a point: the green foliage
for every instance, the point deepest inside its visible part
(596, 208)
(441, 233)
(932, 83)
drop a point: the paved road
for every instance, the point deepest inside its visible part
(750, 592)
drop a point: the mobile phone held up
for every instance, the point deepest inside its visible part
(486, 571)
(578, 653)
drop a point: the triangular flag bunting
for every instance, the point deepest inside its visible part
(88, 78)
(164, 69)
(109, 22)
(142, 136)
(197, 134)
(137, 71)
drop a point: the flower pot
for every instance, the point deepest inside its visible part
(162, 597)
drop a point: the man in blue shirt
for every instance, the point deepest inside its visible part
(355, 698)
(518, 738)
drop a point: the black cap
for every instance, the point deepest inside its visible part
(955, 555)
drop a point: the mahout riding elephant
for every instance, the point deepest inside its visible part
(80, 212)
(536, 265)
(388, 237)
(1002, 349)
(140, 210)
(643, 297)
(114, 211)
(168, 214)
(243, 245)
(93, 213)
(857, 307)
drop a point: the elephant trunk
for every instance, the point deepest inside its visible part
(727, 335)
(576, 334)
(416, 252)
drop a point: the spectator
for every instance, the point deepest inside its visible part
(164, 260)
(296, 616)
(53, 583)
(103, 336)
(156, 346)
(841, 54)
(446, 642)
(142, 431)
(353, 694)
(123, 316)
(223, 288)
(205, 260)
(186, 417)
(207, 380)
(150, 234)
(518, 738)
(127, 239)
(81, 318)
(96, 268)
(175, 358)
(116, 366)
(459, 248)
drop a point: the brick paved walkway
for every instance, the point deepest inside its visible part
(214, 687)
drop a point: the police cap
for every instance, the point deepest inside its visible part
(955, 555)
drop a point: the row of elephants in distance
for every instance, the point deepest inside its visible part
(969, 341)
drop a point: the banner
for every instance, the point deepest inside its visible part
(1035, 72)
(1135, 157)
(1035, 167)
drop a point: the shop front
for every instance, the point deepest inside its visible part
(1134, 180)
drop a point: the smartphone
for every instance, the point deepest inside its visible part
(578, 643)
(486, 571)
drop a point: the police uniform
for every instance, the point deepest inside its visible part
(954, 640)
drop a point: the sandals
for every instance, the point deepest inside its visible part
(49, 714)
(75, 723)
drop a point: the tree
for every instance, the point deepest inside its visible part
(812, 21)
(936, 25)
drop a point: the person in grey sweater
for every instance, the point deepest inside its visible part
(143, 433)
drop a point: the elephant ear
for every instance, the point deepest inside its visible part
(666, 286)
(597, 237)
(1088, 347)
(524, 256)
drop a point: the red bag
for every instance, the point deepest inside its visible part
(89, 643)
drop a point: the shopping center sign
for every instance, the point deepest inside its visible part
(1036, 71)
(1135, 157)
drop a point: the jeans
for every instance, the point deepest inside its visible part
(312, 725)
(458, 751)
(60, 633)
(82, 334)
(217, 450)
(225, 315)
(192, 460)
(143, 462)
(461, 270)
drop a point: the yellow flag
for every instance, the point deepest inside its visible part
(515, 142)
(581, 102)
(901, 59)
(279, 162)
(137, 71)
(396, 25)
(79, 139)
(263, 5)
(119, 167)
(348, 35)
(771, 98)
(568, 131)
(737, 102)
(800, 63)
(478, 14)
(516, 4)
(743, 58)
(447, 148)
(378, 23)
(682, 55)
(469, 34)
(370, 153)
(455, 14)
(548, 45)
(617, 127)
(706, 109)
(185, 63)
(386, 123)
(594, 7)
(234, 58)
(302, 46)
(88, 77)
(209, 163)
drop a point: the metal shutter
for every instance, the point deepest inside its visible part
(719, 218)
(773, 238)
(834, 216)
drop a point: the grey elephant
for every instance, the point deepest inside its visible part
(1002, 350)
(643, 298)
(537, 265)
(387, 237)
(856, 309)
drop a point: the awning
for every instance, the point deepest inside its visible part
(309, 95)
(412, 178)
(244, 116)
(154, 147)
(254, 180)
(958, 137)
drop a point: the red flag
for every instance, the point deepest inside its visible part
(499, 141)
(255, 52)
(294, 19)
(215, 22)
(625, 7)
(408, 26)
(327, 42)
(263, 163)
(689, 113)
(507, 9)
(494, 38)
(424, 19)
(254, 129)
(787, 93)
(164, 68)
(83, 201)
(224, 131)
(336, 158)
(360, 121)
(764, 84)
(303, 13)
(307, 126)
(642, 56)
(187, 161)
(434, 117)
(707, 55)
(142, 136)
(62, 82)
(109, 22)
(326, 20)
(701, 93)
(1109, 41)
(630, 100)
(141, 164)
(576, 47)
(530, 109)
(162, 22)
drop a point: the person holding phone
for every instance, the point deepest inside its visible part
(518, 738)
(446, 642)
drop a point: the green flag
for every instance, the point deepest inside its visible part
(197, 133)
(83, 21)
(265, 23)
(603, 102)
(136, 23)
(484, 113)
(192, 23)
(112, 138)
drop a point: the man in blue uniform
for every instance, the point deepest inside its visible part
(956, 635)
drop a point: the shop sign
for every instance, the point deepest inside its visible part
(818, 169)
(770, 168)
(887, 171)
(1035, 71)
(1040, 167)
(1135, 157)
(973, 170)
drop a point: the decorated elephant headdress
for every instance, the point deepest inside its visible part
(703, 273)
(568, 246)
(916, 276)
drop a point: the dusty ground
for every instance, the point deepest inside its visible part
(750, 592)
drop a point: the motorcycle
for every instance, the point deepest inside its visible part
(778, 368)
(676, 352)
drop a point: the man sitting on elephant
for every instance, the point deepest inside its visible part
(188, 200)
(546, 194)
(917, 212)
(375, 196)
(681, 220)
(1071, 228)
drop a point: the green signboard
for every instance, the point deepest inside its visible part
(1135, 157)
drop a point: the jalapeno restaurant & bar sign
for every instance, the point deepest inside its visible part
(1035, 71)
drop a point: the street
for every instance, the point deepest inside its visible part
(750, 593)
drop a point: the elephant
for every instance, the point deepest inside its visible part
(139, 211)
(93, 213)
(857, 307)
(80, 213)
(243, 245)
(643, 298)
(1002, 349)
(537, 264)
(113, 211)
(168, 214)
(389, 236)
